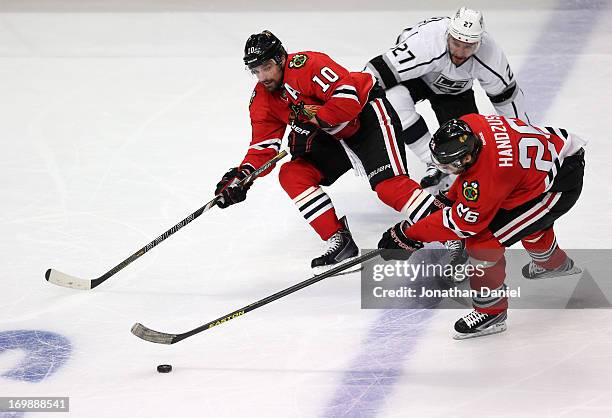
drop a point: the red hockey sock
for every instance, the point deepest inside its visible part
(396, 191)
(487, 257)
(406, 196)
(543, 249)
(489, 277)
(300, 180)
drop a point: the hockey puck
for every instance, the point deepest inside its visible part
(164, 368)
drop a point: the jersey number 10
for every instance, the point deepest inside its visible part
(329, 75)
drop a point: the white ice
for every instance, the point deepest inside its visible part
(117, 120)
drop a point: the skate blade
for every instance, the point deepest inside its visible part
(554, 274)
(355, 269)
(494, 329)
(323, 269)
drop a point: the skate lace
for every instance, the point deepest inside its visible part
(454, 246)
(535, 269)
(334, 244)
(455, 251)
(474, 318)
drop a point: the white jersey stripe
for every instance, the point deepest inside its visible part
(525, 215)
(449, 222)
(306, 193)
(528, 218)
(410, 211)
(388, 140)
(346, 87)
(414, 195)
(346, 96)
(424, 208)
(335, 129)
(268, 143)
(319, 212)
(394, 144)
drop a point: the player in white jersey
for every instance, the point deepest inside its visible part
(438, 60)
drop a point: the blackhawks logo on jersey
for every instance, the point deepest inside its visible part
(252, 98)
(298, 61)
(302, 112)
(295, 110)
(470, 190)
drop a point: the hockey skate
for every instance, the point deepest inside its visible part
(457, 255)
(477, 324)
(342, 248)
(432, 177)
(534, 271)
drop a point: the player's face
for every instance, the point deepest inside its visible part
(454, 168)
(270, 74)
(460, 51)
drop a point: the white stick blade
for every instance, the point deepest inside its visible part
(65, 280)
(150, 335)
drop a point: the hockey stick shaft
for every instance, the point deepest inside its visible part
(165, 235)
(150, 335)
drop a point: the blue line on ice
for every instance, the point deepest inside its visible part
(555, 52)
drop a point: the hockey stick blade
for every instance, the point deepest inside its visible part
(151, 335)
(66, 280)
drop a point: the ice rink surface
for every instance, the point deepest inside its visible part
(117, 120)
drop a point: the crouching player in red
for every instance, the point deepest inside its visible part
(514, 180)
(339, 120)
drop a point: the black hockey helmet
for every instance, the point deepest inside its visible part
(451, 143)
(260, 47)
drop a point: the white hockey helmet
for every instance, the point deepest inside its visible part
(466, 25)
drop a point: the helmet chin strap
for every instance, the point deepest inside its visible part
(281, 83)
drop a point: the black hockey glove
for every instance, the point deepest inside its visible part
(230, 192)
(301, 138)
(396, 245)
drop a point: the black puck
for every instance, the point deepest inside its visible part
(164, 368)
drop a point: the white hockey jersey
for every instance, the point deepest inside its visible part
(422, 52)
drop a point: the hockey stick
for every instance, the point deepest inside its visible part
(153, 336)
(65, 280)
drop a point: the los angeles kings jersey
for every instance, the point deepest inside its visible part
(422, 52)
(313, 83)
(517, 163)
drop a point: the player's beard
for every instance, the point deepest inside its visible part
(273, 85)
(458, 60)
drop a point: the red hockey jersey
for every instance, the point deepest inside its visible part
(313, 83)
(517, 163)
